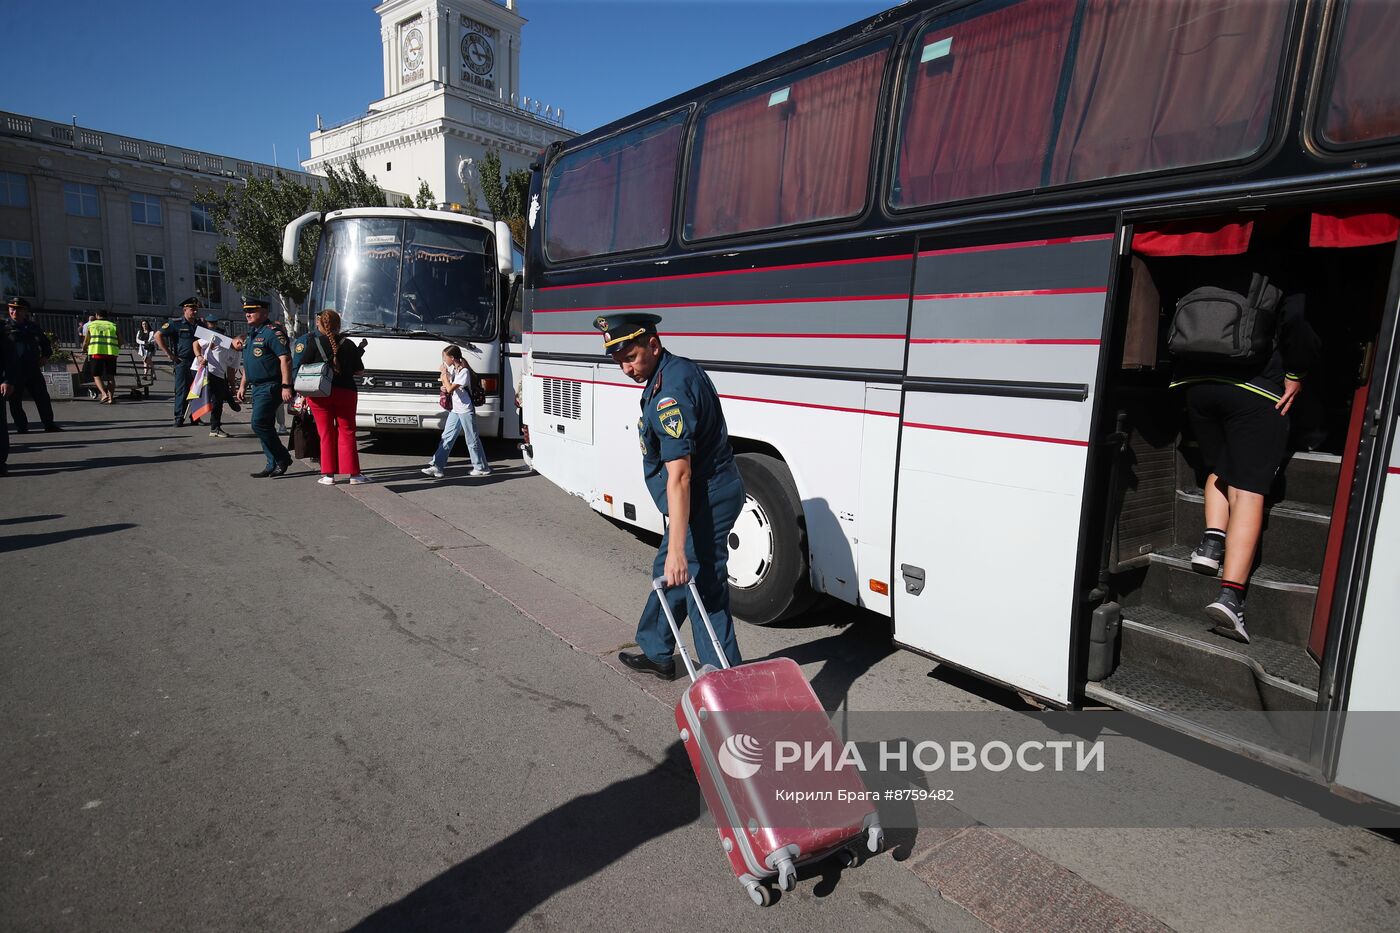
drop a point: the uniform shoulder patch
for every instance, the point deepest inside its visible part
(665, 403)
(301, 346)
(672, 422)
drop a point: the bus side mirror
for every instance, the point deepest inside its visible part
(291, 237)
(504, 265)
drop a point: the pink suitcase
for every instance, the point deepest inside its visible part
(764, 835)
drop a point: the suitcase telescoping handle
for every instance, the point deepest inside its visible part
(659, 584)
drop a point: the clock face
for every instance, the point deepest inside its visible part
(477, 54)
(413, 47)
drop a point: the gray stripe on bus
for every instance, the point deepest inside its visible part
(1060, 265)
(1022, 317)
(807, 317)
(1040, 418)
(816, 351)
(1004, 361)
(839, 281)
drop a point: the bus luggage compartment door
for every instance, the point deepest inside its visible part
(994, 441)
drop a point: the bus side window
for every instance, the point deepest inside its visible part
(515, 309)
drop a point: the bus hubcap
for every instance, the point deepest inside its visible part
(750, 546)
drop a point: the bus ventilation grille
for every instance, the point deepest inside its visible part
(563, 398)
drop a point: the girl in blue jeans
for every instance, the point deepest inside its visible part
(461, 416)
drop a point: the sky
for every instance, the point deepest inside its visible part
(243, 78)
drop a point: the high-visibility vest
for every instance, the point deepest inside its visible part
(102, 338)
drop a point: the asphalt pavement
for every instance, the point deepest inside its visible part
(231, 703)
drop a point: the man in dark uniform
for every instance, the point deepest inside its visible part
(690, 472)
(267, 373)
(177, 338)
(31, 349)
(7, 370)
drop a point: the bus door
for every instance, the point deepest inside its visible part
(1000, 379)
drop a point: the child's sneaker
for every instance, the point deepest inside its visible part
(1208, 554)
(432, 471)
(327, 481)
(359, 479)
(1227, 612)
(476, 472)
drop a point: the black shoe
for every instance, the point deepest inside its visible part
(235, 406)
(280, 468)
(50, 428)
(1208, 554)
(642, 664)
(179, 422)
(260, 474)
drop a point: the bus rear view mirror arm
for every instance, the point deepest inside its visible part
(291, 237)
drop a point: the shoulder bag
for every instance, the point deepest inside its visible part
(314, 379)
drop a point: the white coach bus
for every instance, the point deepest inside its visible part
(926, 261)
(410, 282)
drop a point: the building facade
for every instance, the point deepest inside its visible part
(90, 219)
(452, 92)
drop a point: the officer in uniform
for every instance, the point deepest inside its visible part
(177, 338)
(31, 350)
(267, 369)
(690, 472)
(7, 386)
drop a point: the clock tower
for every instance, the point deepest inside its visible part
(451, 93)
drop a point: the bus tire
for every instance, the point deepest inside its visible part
(769, 574)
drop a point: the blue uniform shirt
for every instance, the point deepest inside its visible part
(30, 345)
(261, 349)
(180, 337)
(682, 416)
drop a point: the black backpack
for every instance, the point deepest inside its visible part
(1217, 324)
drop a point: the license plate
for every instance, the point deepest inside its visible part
(406, 420)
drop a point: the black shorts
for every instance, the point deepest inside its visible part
(1243, 438)
(104, 367)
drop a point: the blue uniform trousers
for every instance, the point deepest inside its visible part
(267, 396)
(714, 509)
(4, 436)
(183, 377)
(30, 385)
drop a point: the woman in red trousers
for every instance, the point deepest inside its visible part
(335, 413)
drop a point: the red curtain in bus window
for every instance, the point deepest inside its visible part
(1200, 237)
(790, 153)
(740, 160)
(582, 198)
(644, 199)
(830, 133)
(1344, 229)
(981, 103)
(1162, 85)
(1365, 100)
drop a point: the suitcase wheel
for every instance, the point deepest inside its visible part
(875, 840)
(850, 857)
(787, 874)
(759, 894)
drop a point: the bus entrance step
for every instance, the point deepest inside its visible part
(1280, 738)
(1262, 675)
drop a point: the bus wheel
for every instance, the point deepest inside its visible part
(768, 571)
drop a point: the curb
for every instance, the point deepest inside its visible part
(1002, 883)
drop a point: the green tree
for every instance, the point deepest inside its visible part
(251, 218)
(424, 198)
(507, 196)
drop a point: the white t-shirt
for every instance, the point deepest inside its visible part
(461, 393)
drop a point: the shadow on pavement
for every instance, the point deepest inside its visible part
(101, 463)
(25, 519)
(501, 884)
(14, 543)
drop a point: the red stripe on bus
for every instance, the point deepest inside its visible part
(1395, 470)
(1018, 437)
(1028, 341)
(703, 275)
(1020, 293)
(674, 333)
(723, 304)
(774, 401)
(1057, 241)
(592, 382)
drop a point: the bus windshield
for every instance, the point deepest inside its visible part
(405, 275)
